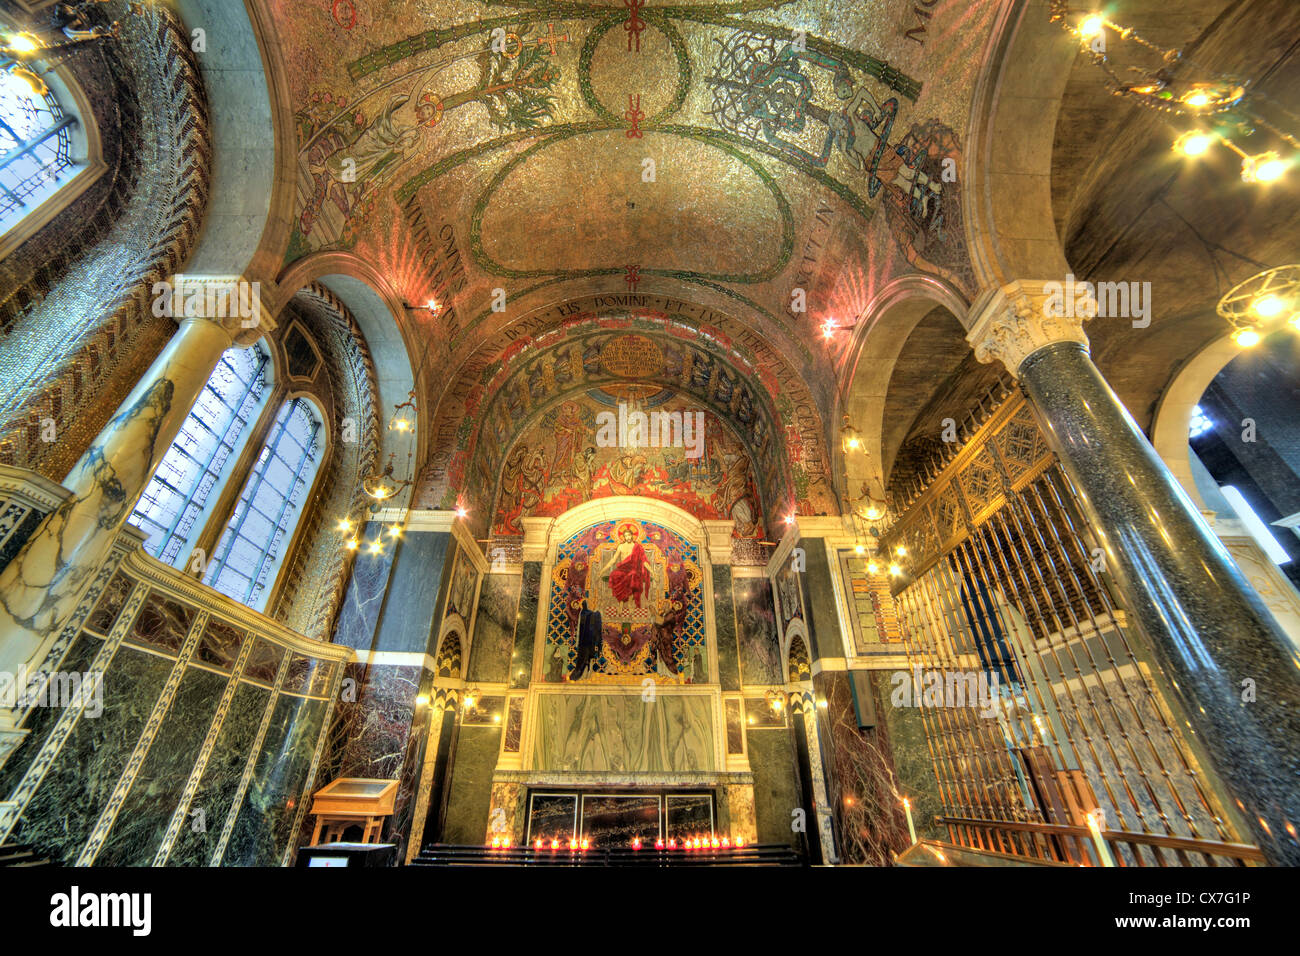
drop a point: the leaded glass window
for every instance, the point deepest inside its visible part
(177, 501)
(248, 556)
(35, 148)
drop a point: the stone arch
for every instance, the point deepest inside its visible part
(1173, 415)
(378, 312)
(798, 663)
(1007, 202)
(879, 339)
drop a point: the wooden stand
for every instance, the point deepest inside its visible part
(352, 801)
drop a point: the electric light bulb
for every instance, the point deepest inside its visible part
(1267, 306)
(873, 513)
(1263, 168)
(872, 568)
(344, 524)
(854, 444)
(1295, 321)
(1195, 143)
(1197, 100)
(900, 551)
(21, 43)
(860, 549)
(1092, 25)
(1246, 337)
(895, 570)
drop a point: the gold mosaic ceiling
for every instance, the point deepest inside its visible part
(724, 154)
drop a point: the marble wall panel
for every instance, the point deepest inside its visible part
(494, 630)
(364, 597)
(161, 624)
(263, 662)
(724, 621)
(526, 629)
(471, 785)
(776, 790)
(63, 811)
(148, 808)
(220, 781)
(219, 646)
(110, 603)
(265, 821)
(756, 632)
(622, 733)
(407, 620)
(41, 720)
(863, 787)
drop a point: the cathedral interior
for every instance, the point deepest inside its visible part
(774, 432)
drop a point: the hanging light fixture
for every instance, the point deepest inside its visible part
(1262, 304)
(1164, 88)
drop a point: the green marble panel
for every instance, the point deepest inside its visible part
(494, 630)
(522, 658)
(142, 821)
(270, 804)
(724, 619)
(776, 792)
(471, 785)
(198, 838)
(41, 720)
(61, 814)
(623, 733)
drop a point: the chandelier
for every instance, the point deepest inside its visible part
(1262, 304)
(1218, 107)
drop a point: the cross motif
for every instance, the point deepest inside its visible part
(551, 39)
(632, 278)
(635, 25)
(634, 115)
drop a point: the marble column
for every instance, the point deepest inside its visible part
(1210, 634)
(40, 587)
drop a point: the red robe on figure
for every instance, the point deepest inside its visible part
(631, 578)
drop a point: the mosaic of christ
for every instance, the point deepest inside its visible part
(626, 603)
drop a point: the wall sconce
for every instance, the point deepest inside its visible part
(775, 700)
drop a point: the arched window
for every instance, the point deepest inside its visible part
(248, 556)
(46, 149)
(177, 502)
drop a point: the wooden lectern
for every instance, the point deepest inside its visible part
(352, 801)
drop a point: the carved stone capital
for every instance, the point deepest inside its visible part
(1013, 322)
(718, 533)
(230, 301)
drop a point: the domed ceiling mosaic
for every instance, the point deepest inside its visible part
(740, 176)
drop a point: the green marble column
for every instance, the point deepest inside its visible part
(1208, 632)
(40, 587)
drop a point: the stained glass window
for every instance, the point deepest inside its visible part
(248, 556)
(35, 148)
(176, 503)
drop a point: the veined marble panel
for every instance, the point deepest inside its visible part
(147, 809)
(211, 803)
(623, 733)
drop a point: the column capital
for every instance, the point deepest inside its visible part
(229, 301)
(718, 536)
(1011, 323)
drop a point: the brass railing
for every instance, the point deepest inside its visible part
(1006, 599)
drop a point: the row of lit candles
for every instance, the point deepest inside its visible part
(672, 843)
